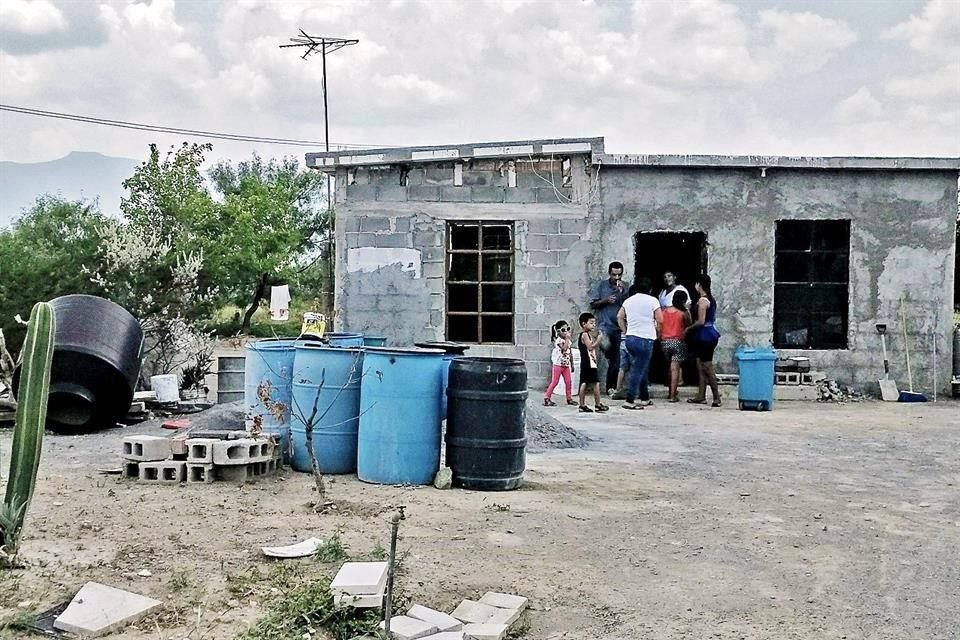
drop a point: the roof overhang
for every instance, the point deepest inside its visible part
(769, 162)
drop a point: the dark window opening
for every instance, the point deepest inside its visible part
(811, 284)
(480, 274)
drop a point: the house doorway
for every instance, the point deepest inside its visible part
(684, 254)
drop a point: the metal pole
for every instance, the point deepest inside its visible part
(388, 605)
(326, 140)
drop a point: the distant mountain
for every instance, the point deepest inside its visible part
(81, 174)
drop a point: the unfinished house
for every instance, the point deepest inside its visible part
(491, 243)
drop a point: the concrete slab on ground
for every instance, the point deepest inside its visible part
(97, 610)
(360, 578)
(439, 619)
(407, 628)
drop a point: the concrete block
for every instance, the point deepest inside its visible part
(200, 450)
(402, 224)
(424, 193)
(349, 224)
(374, 601)
(146, 448)
(446, 635)
(131, 469)
(577, 226)
(520, 195)
(547, 226)
(219, 434)
(406, 628)
(473, 612)
(487, 194)
(393, 240)
(537, 242)
(97, 610)
(485, 632)
(199, 473)
(543, 258)
(374, 224)
(361, 192)
(427, 239)
(360, 578)
(137, 407)
(166, 472)
(241, 452)
(504, 616)
(455, 194)
(179, 448)
(786, 377)
(504, 600)
(392, 193)
(236, 474)
(439, 619)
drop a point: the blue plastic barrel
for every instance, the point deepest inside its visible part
(452, 350)
(400, 422)
(344, 339)
(756, 377)
(374, 341)
(268, 372)
(329, 377)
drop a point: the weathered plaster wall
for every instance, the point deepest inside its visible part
(901, 245)
(391, 248)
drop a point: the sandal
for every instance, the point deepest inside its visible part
(674, 399)
(631, 406)
(717, 403)
(572, 402)
(585, 409)
(547, 402)
(696, 401)
(602, 407)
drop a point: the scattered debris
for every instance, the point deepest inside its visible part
(199, 460)
(546, 432)
(299, 550)
(175, 424)
(97, 610)
(830, 391)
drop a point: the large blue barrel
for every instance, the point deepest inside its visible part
(329, 377)
(374, 341)
(268, 373)
(451, 350)
(344, 339)
(399, 439)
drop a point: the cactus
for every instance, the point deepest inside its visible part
(37, 357)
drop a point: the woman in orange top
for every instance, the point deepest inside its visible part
(676, 319)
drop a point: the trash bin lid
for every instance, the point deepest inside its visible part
(756, 353)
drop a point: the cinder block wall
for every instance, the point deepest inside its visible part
(901, 245)
(391, 240)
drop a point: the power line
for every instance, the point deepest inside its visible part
(106, 122)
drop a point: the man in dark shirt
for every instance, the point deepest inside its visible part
(606, 297)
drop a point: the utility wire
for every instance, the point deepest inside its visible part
(175, 130)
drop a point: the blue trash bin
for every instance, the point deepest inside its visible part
(756, 366)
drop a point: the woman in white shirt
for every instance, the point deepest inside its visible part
(639, 321)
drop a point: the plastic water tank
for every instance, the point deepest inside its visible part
(268, 375)
(96, 364)
(328, 377)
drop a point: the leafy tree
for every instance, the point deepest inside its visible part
(48, 252)
(268, 226)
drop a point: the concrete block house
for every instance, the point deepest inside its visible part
(490, 243)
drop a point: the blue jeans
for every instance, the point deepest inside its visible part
(640, 350)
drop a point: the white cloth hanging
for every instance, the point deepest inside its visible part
(280, 302)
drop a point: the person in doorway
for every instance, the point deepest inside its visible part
(562, 359)
(671, 286)
(589, 377)
(606, 297)
(675, 320)
(639, 319)
(703, 337)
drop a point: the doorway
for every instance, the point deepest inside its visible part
(683, 253)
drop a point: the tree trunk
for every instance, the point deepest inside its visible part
(259, 293)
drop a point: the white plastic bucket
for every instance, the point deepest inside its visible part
(167, 387)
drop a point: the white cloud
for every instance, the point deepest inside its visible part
(935, 32)
(31, 17)
(942, 83)
(858, 108)
(805, 40)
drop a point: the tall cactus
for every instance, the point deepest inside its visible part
(28, 434)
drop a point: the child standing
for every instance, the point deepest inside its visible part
(589, 379)
(562, 362)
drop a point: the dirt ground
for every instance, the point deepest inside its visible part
(679, 521)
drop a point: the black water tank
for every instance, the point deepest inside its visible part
(486, 423)
(96, 362)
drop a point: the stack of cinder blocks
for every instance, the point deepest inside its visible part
(224, 456)
(490, 618)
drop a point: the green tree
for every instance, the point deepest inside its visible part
(268, 226)
(48, 252)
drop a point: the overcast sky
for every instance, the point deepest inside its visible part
(810, 77)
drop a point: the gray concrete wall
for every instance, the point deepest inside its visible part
(901, 245)
(391, 249)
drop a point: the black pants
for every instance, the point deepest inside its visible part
(612, 354)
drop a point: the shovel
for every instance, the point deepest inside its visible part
(888, 387)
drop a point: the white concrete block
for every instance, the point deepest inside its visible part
(146, 448)
(439, 619)
(200, 450)
(374, 601)
(485, 632)
(97, 610)
(406, 628)
(470, 611)
(360, 578)
(243, 451)
(504, 600)
(504, 616)
(446, 635)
